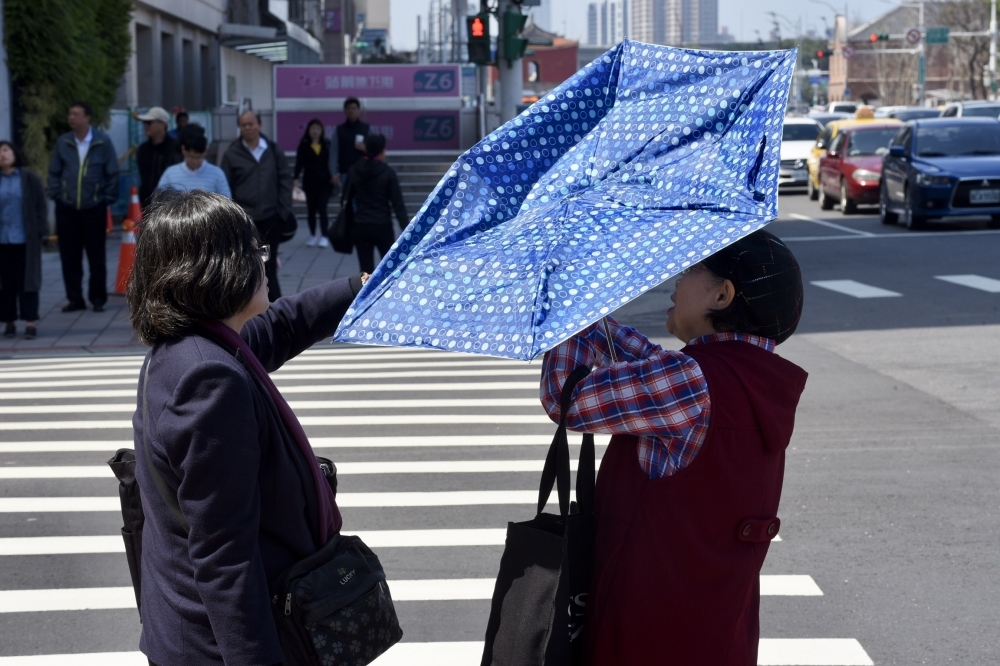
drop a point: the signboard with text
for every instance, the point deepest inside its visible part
(416, 107)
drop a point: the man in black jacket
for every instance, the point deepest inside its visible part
(156, 154)
(261, 183)
(350, 144)
(375, 194)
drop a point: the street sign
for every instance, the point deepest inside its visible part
(937, 35)
(848, 52)
(913, 36)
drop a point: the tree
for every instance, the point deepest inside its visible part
(971, 53)
(60, 51)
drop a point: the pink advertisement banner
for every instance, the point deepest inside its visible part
(403, 130)
(338, 81)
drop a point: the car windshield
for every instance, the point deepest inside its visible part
(991, 111)
(870, 141)
(914, 114)
(954, 140)
(800, 132)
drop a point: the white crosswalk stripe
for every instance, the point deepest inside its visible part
(381, 414)
(989, 285)
(855, 289)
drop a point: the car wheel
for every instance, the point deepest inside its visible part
(811, 189)
(847, 205)
(826, 202)
(912, 220)
(884, 214)
(994, 222)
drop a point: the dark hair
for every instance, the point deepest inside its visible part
(306, 139)
(352, 100)
(195, 260)
(87, 110)
(374, 145)
(734, 318)
(18, 157)
(193, 138)
(181, 114)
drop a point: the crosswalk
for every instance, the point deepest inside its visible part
(862, 290)
(435, 453)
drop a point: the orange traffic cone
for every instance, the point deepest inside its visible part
(126, 255)
(134, 209)
(107, 227)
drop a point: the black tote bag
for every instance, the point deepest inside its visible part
(536, 618)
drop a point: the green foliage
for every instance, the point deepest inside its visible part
(60, 51)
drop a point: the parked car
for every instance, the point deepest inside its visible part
(823, 142)
(843, 107)
(824, 118)
(884, 111)
(972, 110)
(851, 170)
(797, 138)
(913, 113)
(941, 167)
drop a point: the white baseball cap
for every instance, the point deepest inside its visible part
(156, 113)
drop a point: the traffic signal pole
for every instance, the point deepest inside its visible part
(511, 71)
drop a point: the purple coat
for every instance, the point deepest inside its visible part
(242, 482)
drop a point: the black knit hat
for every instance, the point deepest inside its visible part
(767, 280)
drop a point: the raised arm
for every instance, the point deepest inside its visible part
(294, 323)
(398, 205)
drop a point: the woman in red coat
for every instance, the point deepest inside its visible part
(688, 491)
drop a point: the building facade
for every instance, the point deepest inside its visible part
(607, 22)
(674, 22)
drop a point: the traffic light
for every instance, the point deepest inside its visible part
(878, 37)
(513, 45)
(478, 30)
(821, 53)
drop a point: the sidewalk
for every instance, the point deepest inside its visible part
(109, 332)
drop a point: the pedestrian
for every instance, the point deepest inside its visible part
(212, 430)
(159, 151)
(194, 173)
(23, 228)
(688, 489)
(182, 121)
(350, 140)
(261, 183)
(374, 194)
(83, 181)
(312, 163)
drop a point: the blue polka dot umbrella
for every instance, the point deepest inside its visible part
(644, 162)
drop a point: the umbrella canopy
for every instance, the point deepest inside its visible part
(646, 161)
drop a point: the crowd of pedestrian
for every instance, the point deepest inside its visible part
(83, 182)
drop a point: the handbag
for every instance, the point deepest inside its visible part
(536, 616)
(339, 233)
(289, 223)
(332, 608)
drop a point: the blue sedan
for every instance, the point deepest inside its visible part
(941, 168)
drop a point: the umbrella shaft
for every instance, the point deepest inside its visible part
(611, 342)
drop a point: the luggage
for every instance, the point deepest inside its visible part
(536, 618)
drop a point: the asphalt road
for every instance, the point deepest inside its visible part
(891, 509)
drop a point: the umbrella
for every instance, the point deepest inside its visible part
(644, 162)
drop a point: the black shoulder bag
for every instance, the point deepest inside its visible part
(331, 609)
(536, 618)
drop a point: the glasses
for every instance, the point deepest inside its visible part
(264, 252)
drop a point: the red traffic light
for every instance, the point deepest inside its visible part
(478, 29)
(820, 54)
(873, 37)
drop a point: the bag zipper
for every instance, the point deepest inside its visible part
(288, 604)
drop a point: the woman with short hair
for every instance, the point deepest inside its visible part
(233, 495)
(312, 165)
(23, 227)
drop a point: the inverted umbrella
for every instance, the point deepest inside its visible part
(644, 162)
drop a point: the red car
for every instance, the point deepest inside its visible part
(851, 170)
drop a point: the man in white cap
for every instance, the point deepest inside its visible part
(157, 153)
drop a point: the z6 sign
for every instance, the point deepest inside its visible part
(403, 130)
(365, 81)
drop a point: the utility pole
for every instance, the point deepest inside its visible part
(511, 74)
(921, 60)
(993, 49)
(6, 112)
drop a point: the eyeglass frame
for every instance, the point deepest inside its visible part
(264, 252)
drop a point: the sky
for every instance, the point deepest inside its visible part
(742, 17)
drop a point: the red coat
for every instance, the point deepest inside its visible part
(678, 559)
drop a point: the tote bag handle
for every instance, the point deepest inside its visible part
(556, 470)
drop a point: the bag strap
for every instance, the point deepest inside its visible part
(556, 470)
(169, 498)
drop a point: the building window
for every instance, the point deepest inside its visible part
(534, 72)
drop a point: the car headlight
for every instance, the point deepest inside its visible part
(865, 175)
(927, 179)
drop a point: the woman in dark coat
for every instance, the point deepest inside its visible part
(250, 497)
(374, 192)
(23, 228)
(312, 163)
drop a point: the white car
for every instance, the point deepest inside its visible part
(798, 136)
(843, 107)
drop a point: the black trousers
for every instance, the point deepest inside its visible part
(270, 234)
(316, 203)
(12, 258)
(79, 231)
(366, 238)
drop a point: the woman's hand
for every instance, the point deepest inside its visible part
(364, 278)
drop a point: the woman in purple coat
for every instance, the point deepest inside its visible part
(232, 493)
